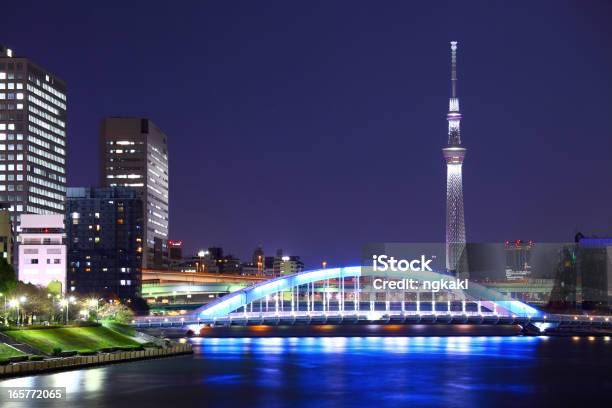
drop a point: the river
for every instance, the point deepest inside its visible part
(351, 371)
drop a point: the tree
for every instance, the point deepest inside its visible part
(8, 277)
(117, 312)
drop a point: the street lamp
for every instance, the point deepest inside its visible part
(15, 303)
(201, 254)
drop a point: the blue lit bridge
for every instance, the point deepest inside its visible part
(348, 296)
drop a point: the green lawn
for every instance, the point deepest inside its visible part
(72, 338)
(7, 351)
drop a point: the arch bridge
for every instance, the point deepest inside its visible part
(348, 295)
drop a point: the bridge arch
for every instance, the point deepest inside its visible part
(223, 306)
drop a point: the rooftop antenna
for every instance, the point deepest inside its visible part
(454, 67)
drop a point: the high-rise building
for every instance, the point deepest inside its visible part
(175, 251)
(594, 262)
(454, 153)
(42, 252)
(104, 231)
(32, 137)
(286, 265)
(518, 259)
(135, 154)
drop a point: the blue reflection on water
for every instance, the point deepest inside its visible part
(442, 370)
(350, 371)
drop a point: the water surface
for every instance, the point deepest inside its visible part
(352, 371)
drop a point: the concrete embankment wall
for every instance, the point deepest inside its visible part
(68, 363)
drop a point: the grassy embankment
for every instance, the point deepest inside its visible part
(79, 339)
(7, 351)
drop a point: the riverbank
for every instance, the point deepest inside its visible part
(38, 349)
(77, 362)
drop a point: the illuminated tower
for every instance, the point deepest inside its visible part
(454, 154)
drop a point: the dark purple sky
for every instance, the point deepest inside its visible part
(317, 126)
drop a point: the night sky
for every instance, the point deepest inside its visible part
(318, 126)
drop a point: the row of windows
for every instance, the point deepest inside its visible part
(11, 177)
(45, 115)
(121, 151)
(46, 164)
(46, 193)
(44, 173)
(46, 97)
(39, 142)
(11, 75)
(11, 167)
(11, 187)
(10, 197)
(43, 202)
(11, 136)
(11, 106)
(56, 261)
(46, 155)
(46, 135)
(11, 85)
(4, 126)
(123, 176)
(45, 125)
(11, 146)
(46, 183)
(43, 105)
(11, 157)
(52, 90)
(11, 95)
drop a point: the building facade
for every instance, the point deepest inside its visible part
(518, 259)
(42, 251)
(32, 137)
(105, 241)
(135, 154)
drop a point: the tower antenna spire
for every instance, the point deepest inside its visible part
(454, 68)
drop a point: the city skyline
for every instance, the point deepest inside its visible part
(270, 154)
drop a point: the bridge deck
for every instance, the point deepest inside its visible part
(367, 317)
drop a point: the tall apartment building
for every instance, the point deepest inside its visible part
(32, 137)
(135, 154)
(104, 236)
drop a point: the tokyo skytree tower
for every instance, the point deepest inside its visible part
(454, 153)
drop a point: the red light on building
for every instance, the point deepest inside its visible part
(175, 243)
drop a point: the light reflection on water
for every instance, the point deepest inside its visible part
(342, 371)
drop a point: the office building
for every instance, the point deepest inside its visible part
(286, 265)
(518, 259)
(135, 154)
(42, 252)
(105, 241)
(175, 251)
(594, 263)
(32, 137)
